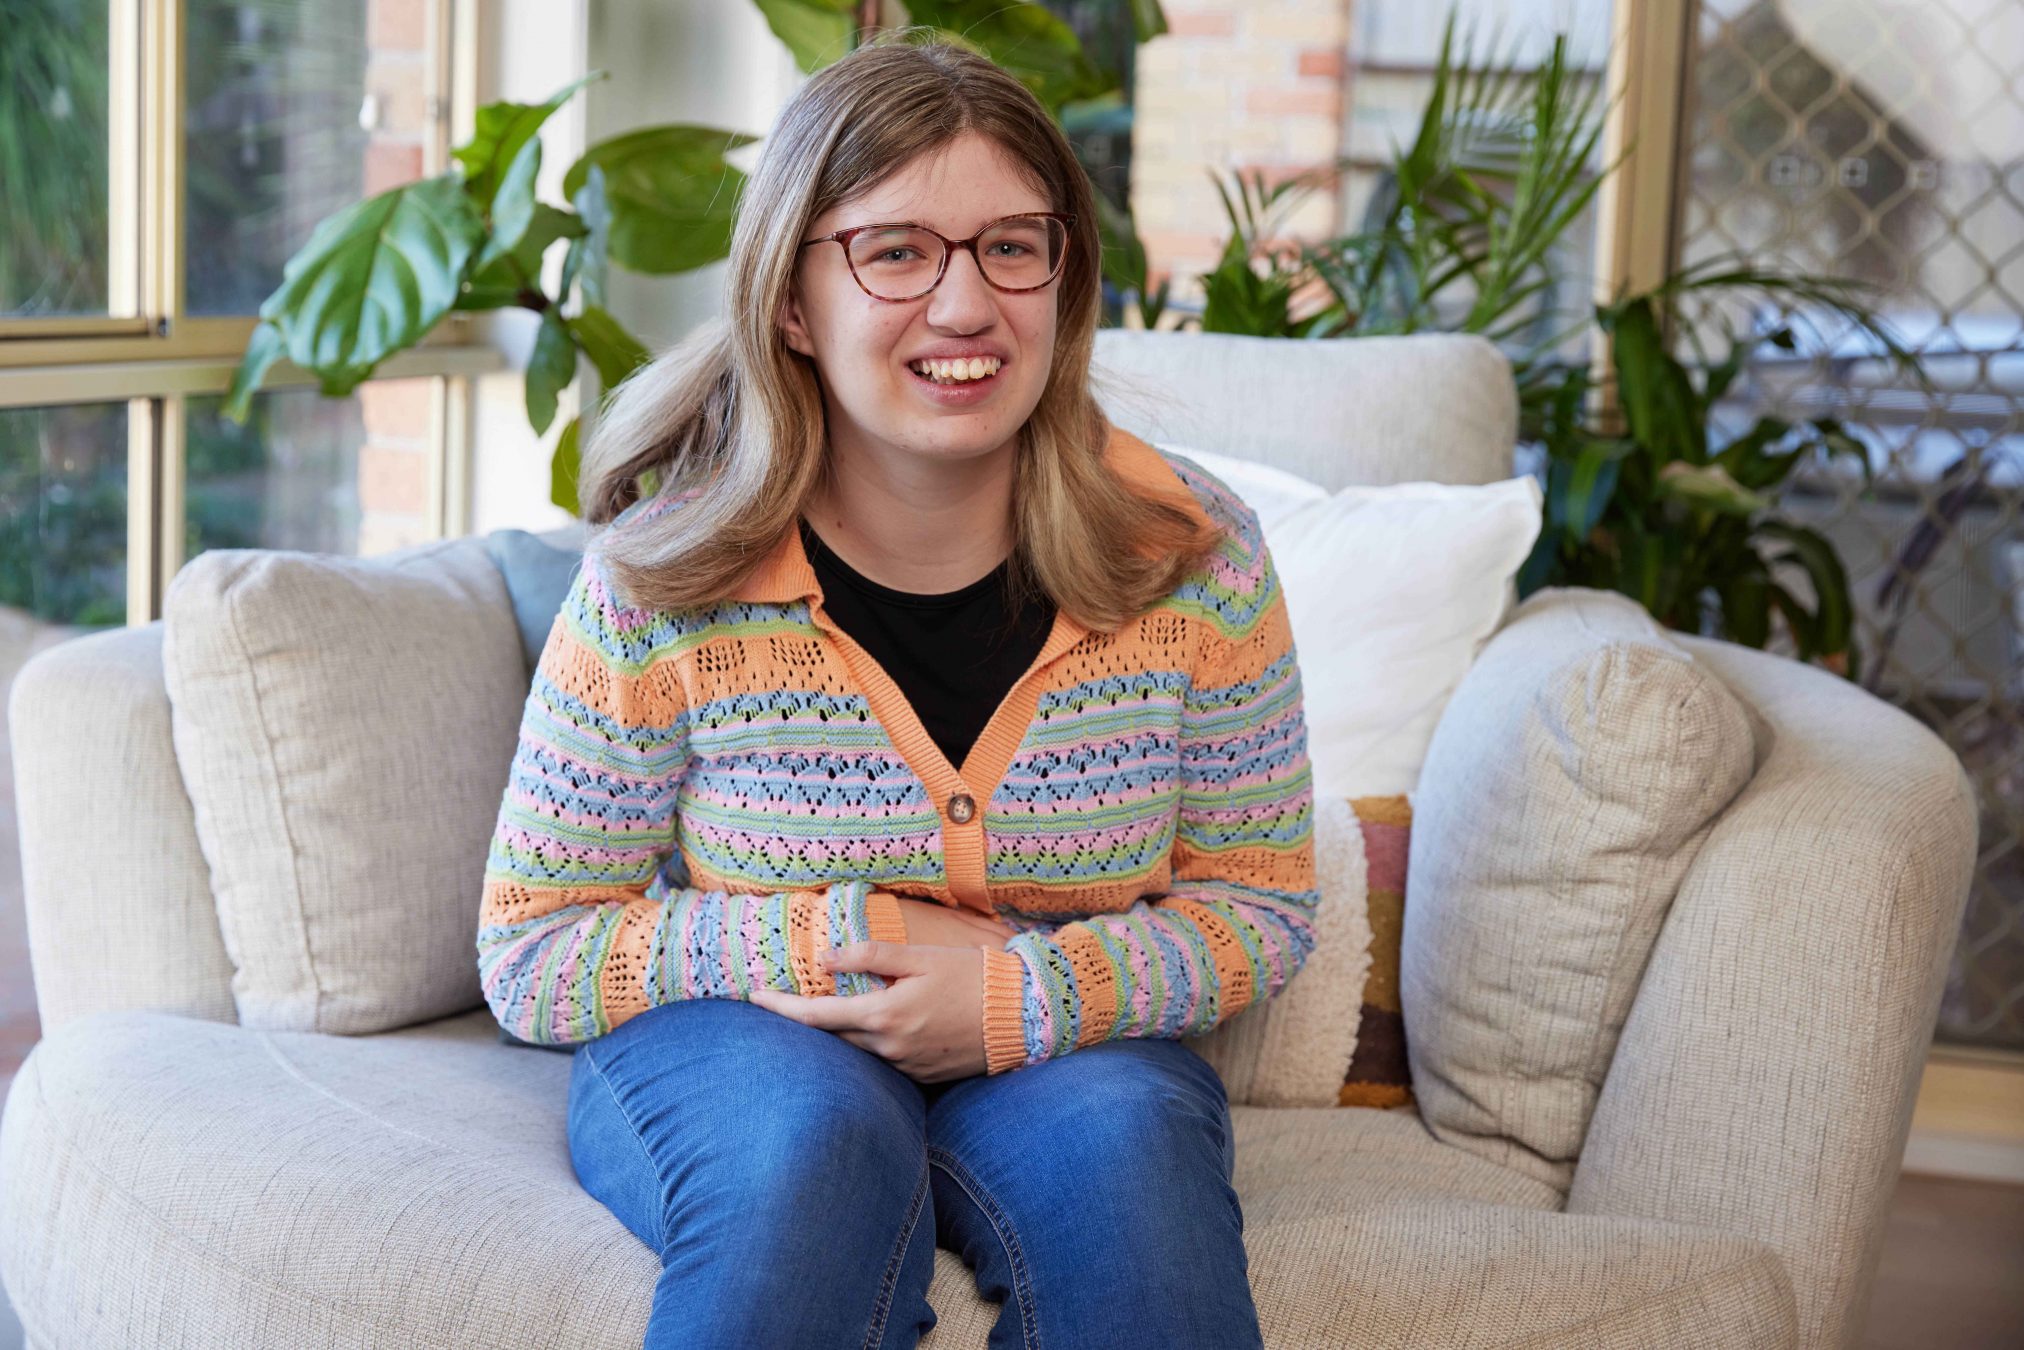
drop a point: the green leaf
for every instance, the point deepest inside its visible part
(1800, 620)
(672, 195)
(1658, 398)
(1642, 570)
(1539, 566)
(1579, 492)
(1746, 607)
(587, 255)
(550, 368)
(1745, 460)
(500, 131)
(1147, 20)
(1037, 49)
(563, 469)
(1711, 486)
(1836, 440)
(502, 281)
(615, 352)
(263, 349)
(1105, 115)
(373, 279)
(1812, 551)
(816, 31)
(513, 207)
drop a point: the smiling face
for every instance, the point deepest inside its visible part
(863, 347)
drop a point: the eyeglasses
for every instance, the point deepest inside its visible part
(904, 261)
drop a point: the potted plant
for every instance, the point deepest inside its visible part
(375, 278)
(1465, 234)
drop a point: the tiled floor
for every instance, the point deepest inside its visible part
(1953, 1265)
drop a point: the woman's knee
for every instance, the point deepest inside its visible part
(1144, 1099)
(734, 1101)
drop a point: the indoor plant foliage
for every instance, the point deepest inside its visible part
(1645, 501)
(1466, 233)
(375, 278)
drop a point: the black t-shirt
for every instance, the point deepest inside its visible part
(955, 656)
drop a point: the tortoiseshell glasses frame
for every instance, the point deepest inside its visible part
(949, 246)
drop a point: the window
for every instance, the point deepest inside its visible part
(165, 159)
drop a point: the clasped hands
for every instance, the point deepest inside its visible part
(928, 1022)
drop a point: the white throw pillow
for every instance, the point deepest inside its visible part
(1273, 493)
(1391, 591)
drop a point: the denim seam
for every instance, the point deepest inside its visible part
(883, 1308)
(1022, 1285)
(653, 1168)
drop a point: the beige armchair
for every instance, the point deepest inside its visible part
(169, 1176)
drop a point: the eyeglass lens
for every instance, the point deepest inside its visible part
(899, 262)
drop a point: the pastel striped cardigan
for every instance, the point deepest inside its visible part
(700, 801)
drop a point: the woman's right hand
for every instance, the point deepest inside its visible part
(936, 925)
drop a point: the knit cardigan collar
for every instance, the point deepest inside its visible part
(786, 574)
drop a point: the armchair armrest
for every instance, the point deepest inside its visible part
(1764, 1081)
(120, 912)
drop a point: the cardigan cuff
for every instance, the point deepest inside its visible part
(882, 918)
(1004, 1011)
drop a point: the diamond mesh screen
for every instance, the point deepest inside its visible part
(1884, 140)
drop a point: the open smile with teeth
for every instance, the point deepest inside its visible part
(957, 371)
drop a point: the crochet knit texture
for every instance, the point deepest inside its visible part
(700, 801)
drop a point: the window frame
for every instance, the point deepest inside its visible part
(151, 354)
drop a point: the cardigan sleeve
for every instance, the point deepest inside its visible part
(1237, 921)
(581, 925)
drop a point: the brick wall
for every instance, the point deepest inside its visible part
(393, 462)
(1257, 86)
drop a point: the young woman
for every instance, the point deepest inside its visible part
(915, 759)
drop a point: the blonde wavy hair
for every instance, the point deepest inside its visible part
(732, 417)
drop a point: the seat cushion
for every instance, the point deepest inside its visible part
(1573, 777)
(165, 1181)
(345, 727)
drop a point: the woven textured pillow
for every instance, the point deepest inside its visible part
(344, 727)
(1573, 777)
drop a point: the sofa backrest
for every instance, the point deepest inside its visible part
(138, 926)
(1432, 407)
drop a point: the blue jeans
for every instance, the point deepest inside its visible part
(795, 1187)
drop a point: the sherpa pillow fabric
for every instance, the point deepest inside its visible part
(1295, 1048)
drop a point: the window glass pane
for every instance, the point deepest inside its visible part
(63, 521)
(63, 538)
(53, 61)
(324, 475)
(295, 112)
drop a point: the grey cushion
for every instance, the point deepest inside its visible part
(1572, 778)
(537, 575)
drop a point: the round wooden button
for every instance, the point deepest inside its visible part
(961, 808)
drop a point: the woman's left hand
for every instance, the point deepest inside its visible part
(928, 1022)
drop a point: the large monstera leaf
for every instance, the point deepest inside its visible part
(1038, 49)
(816, 31)
(371, 281)
(670, 194)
